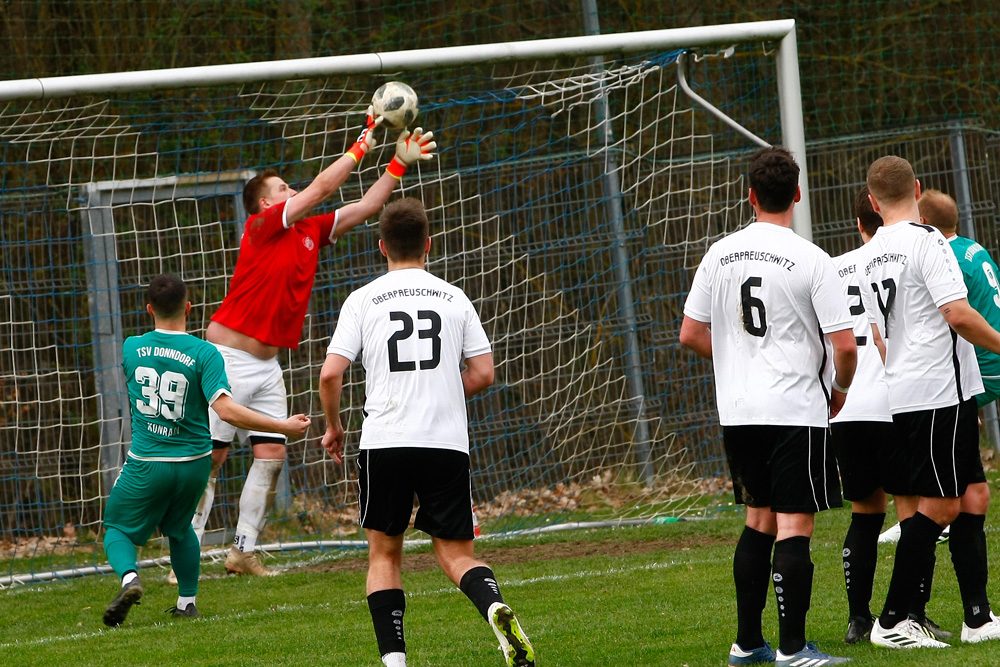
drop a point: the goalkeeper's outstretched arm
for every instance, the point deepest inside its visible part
(330, 179)
(410, 149)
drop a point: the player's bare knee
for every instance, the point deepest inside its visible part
(456, 557)
(942, 511)
(269, 450)
(762, 519)
(976, 499)
(384, 559)
(873, 504)
(795, 524)
(455, 569)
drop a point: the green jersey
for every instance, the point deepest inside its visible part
(982, 278)
(172, 380)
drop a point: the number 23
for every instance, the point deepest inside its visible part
(433, 332)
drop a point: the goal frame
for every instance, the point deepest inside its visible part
(99, 196)
(782, 31)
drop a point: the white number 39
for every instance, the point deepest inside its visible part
(164, 395)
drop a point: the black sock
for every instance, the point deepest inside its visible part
(793, 574)
(968, 555)
(918, 609)
(480, 586)
(387, 608)
(860, 556)
(917, 539)
(752, 574)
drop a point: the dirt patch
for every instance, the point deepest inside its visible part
(497, 554)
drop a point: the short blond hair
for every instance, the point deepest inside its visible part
(939, 210)
(890, 180)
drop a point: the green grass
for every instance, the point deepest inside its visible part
(656, 595)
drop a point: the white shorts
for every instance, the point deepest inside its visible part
(256, 384)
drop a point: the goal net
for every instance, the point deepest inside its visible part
(574, 193)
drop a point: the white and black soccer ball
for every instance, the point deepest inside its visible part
(396, 103)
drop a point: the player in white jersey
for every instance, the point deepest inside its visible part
(869, 453)
(762, 304)
(915, 297)
(414, 331)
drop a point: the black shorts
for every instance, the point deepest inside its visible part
(943, 449)
(388, 480)
(870, 456)
(790, 469)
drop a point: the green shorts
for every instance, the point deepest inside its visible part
(156, 494)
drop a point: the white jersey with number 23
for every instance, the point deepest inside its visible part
(412, 330)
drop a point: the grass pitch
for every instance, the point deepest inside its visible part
(656, 595)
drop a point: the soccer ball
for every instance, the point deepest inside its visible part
(396, 103)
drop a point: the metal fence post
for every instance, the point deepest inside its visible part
(613, 209)
(106, 332)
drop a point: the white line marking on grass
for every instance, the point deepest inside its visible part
(611, 571)
(289, 608)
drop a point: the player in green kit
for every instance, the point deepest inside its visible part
(173, 378)
(981, 276)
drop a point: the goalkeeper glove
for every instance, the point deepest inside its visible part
(410, 149)
(366, 140)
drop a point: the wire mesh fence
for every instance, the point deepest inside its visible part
(866, 64)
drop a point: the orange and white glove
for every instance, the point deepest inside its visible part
(410, 148)
(366, 140)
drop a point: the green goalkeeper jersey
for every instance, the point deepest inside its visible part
(172, 379)
(982, 278)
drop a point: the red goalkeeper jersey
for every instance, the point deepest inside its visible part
(269, 293)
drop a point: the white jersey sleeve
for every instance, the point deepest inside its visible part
(347, 340)
(828, 298)
(476, 340)
(412, 330)
(698, 305)
(940, 269)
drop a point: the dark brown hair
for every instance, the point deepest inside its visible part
(774, 177)
(863, 211)
(168, 295)
(404, 229)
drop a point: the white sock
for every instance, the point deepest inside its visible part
(396, 659)
(183, 602)
(200, 518)
(256, 500)
(129, 576)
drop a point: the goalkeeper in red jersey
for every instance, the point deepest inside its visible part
(265, 309)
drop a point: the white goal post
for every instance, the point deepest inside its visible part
(781, 31)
